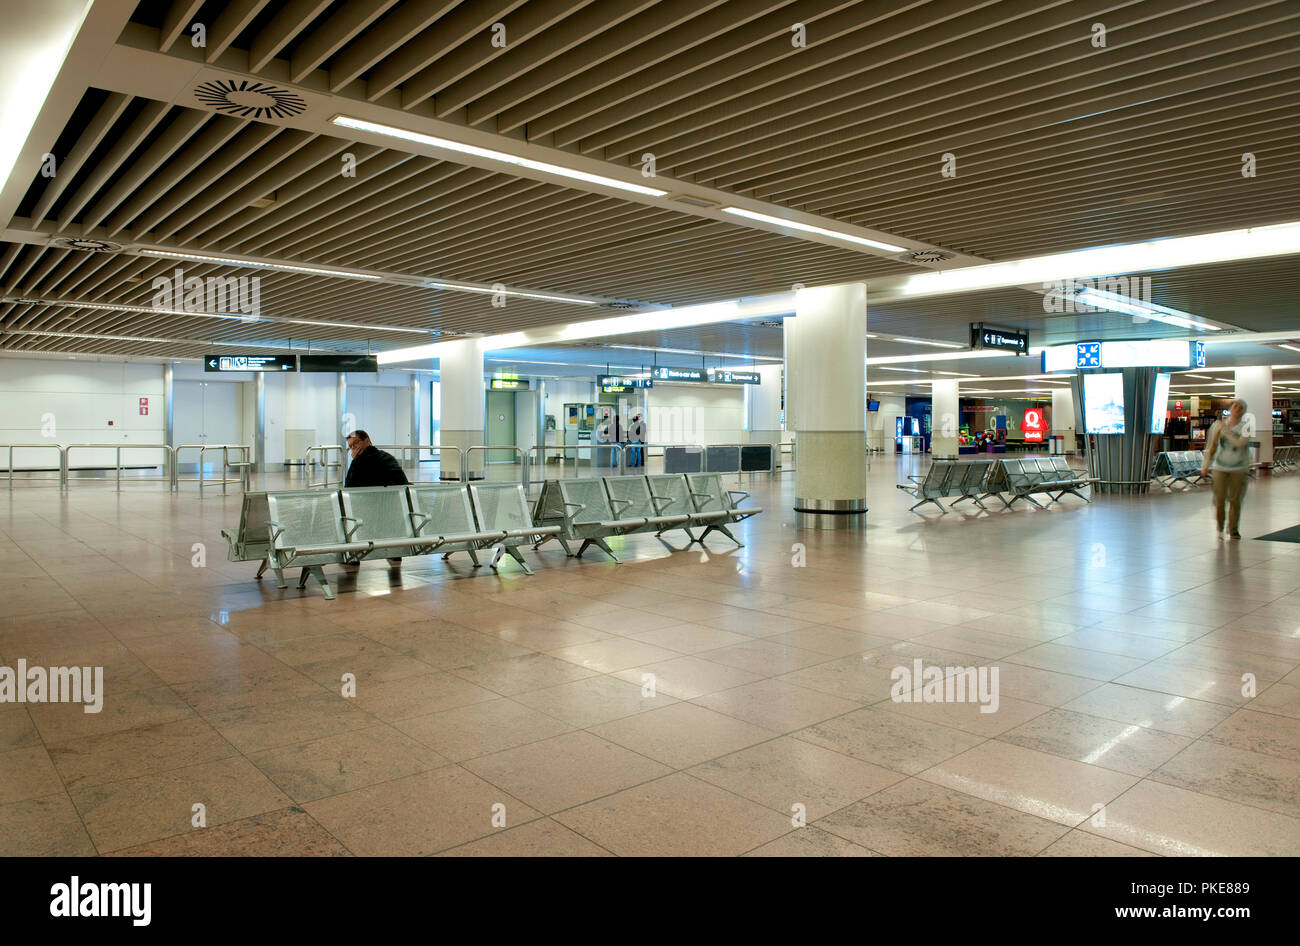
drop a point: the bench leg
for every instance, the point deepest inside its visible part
(497, 552)
(720, 527)
(924, 501)
(473, 557)
(303, 576)
(600, 544)
(261, 569)
(519, 557)
(279, 577)
(319, 574)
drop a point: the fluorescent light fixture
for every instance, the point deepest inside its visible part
(1289, 347)
(1114, 302)
(38, 38)
(1171, 253)
(809, 228)
(257, 264)
(447, 144)
(947, 356)
(1205, 376)
(691, 351)
(229, 316)
(488, 290)
(912, 370)
(922, 341)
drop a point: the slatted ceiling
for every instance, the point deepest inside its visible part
(264, 41)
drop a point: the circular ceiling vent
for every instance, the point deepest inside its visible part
(927, 256)
(90, 246)
(770, 323)
(617, 305)
(248, 98)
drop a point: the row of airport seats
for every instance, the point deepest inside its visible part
(1178, 466)
(592, 510)
(1286, 458)
(977, 480)
(309, 528)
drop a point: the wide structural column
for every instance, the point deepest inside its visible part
(1124, 459)
(460, 373)
(1063, 416)
(826, 352)
(764, 418)
(945, 417)
(1255, 387)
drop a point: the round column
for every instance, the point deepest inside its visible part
(945, 418)
(1254, 385)
(826, 352)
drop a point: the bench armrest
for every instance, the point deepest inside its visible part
(733, 493)
(570, 517)
(615, 503)
(349, 533)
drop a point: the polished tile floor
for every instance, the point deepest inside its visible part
(682, 703)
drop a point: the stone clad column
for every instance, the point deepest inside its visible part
(945, 418)
(1255, 387)
(826, 352)
(460, 371)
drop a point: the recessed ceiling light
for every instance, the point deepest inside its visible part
(922, 341)
(447, 144)
(257, 264)
(810, 228)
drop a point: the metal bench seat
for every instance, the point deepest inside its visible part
(710, 496)
(631, 498)
(442, 512)
(502, 513)
(932, 486)
(589, 516)
(381, 517)
(250, 541)
(306, 530)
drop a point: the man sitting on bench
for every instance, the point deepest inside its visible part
(372, 467)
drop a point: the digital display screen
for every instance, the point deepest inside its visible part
(1160, 406)
(1103, 403)
(873, 405)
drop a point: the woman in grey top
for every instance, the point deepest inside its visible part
(1227, 460)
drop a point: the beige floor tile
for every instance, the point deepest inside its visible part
(467, 732)
(682, 734)
(541, 838)
(1196, 683)
(764, 657)
(593, 700)
(616, 653)
(1036, 783)
(286, 832)
(810, 842)
(1260, 732)
(135, 811)
(675, 816)
(1175, 822)
(1075, 661)
(1048, 687)
(565, 770)
(831, 641)
(27, 773)
(918, 819)
(270, 725)
(43, 827)
(129, 709)
(419, 696)
(17, 731)
(127, 753)
(966, 639)
(890, 740)
(344, 762)
(785, 772)
(1150, 708)
(775, 705)
(1281, 698)
(855, 678)
(521, 674)
(1224, 771)
(418, 815)
(1078, 843)
(687, 677)
(1122, 747)
(688, 638)
(969, 716)
(1118, 642)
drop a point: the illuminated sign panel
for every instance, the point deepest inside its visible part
(1033, 425)
(998, 339)
(250, 363)
(1084, 356)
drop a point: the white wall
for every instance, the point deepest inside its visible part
(66, 401)
(687, 413)
(880, 425)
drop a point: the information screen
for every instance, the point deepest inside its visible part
(1160, 406)
(1103, 403)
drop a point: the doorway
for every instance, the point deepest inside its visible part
(500, 425)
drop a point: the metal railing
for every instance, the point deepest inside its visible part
(117, 449)
(242, 464)
(484, 448)
(597, 455)
(11, 447)
(309, 465)
(443, 468)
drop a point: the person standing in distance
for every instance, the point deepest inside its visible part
(1227, 461)
(372, 467)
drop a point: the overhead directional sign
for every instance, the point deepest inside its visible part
(706, 375)
(364, 364)
(622, 382)
(998, 339)
(509, 384)
(660, 373)
(721, 376)
(250, 363)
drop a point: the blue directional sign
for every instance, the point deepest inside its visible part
(1088, 355)
(1198, 354)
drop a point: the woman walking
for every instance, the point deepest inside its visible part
(1227, 460)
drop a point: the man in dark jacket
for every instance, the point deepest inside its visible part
(372, 467)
